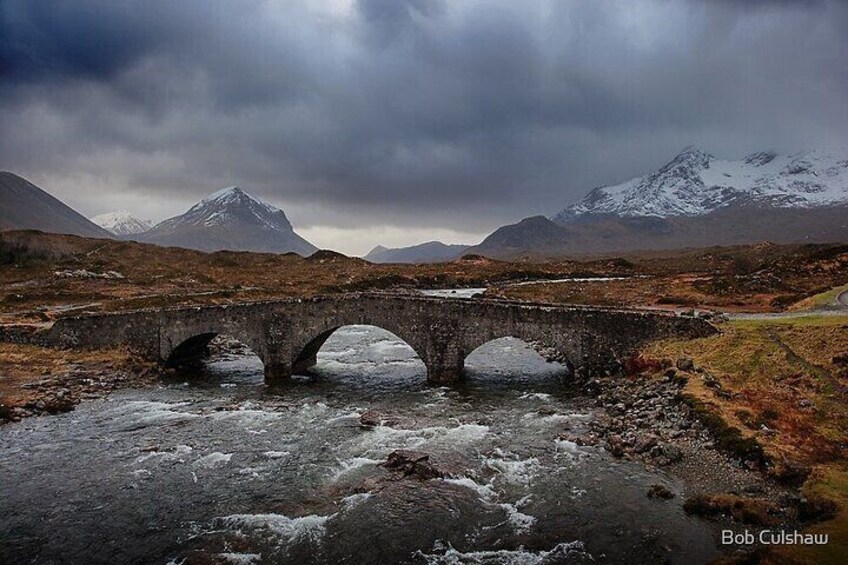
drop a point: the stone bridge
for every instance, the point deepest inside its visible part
(287, 334)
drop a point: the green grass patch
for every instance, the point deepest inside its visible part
(819, 300)
(830, 484)
(813, 320)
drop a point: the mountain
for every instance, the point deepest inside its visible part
(696, 183)
(25, 206)
(122, 223)
(695, 200)
(536, 237)
(230, 219)
(430, 252)
(540, 238)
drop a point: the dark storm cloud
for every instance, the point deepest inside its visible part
(458, 115)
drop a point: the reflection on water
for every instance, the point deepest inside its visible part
(217, 467)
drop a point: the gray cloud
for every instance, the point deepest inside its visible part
(427, 113)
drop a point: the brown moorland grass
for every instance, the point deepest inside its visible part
(30, 373)
(41, 273)
(37, 280)
(781, 386)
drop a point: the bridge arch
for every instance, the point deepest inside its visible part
(541, 351)
(306, 354)
(195, 347)
(561, 342)
(180, 343)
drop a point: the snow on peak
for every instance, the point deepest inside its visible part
(224, 193)
(693, 154)
(695, 182)
(231, 195)
(234, 206)
(122, 223)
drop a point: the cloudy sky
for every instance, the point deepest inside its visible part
(399, 121)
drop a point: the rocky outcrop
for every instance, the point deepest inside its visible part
(409, 463)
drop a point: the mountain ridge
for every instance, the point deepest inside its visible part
(23, 205)
(230, 219)
(427, 252)
(744, 223)
(695, 182)
(694, 200)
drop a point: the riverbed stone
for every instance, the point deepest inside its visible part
(370, 419)
(685, 364)
(410, 463)
(660, 492)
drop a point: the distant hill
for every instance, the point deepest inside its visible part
(430, 252)
(122, 223)
(230, 219)
(25, 206)
(694, 200)
(540, 238)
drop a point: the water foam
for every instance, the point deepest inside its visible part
(514, 471)
(309, 529)
(574, 551)
(143, 413)
(241, 558)
(354, 500)
(276, 454)
(354, 464)
(381, 440)
(213, 460)
(485, 491)
(535, 396)
(519, 521)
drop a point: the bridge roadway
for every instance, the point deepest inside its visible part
(287, 334)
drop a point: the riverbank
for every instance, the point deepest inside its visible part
(38, 380)
(776, 391)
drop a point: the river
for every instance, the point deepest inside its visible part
(215, 467)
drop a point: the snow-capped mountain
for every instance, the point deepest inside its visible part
(122, 223)
(234, 220)
(695, 200)
(696, 183)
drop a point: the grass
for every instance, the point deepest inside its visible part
(831, 483)
(808, 320)
(727, 437)
(762, 278)
(819, 300)
(775, 367)
(779, 372)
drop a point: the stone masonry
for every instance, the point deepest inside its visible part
(287, 334)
